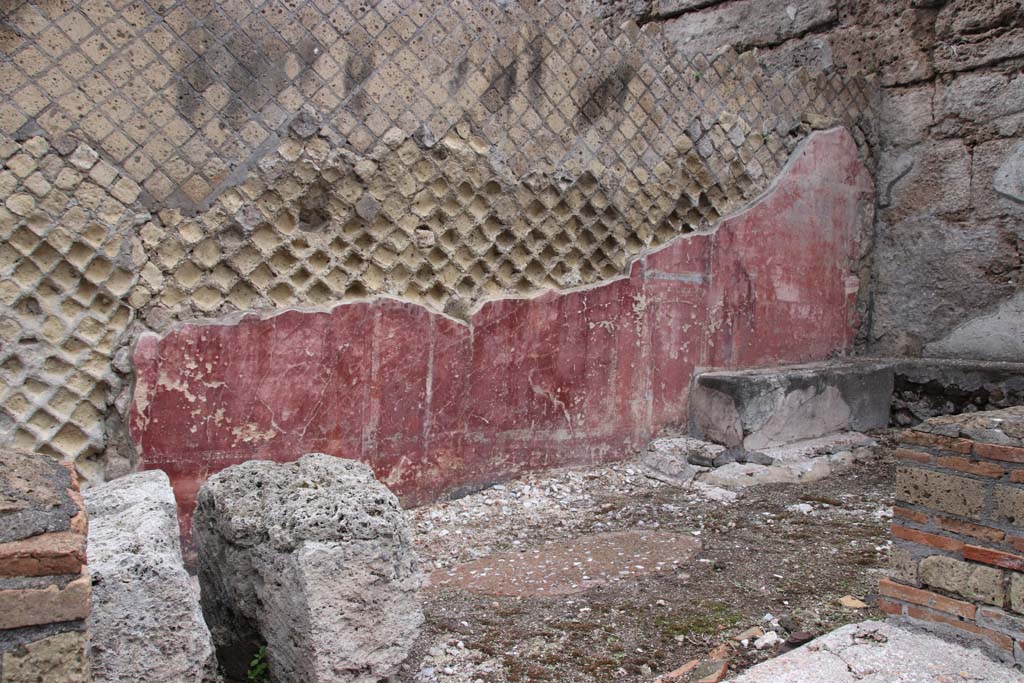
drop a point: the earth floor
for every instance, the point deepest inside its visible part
(511, 602)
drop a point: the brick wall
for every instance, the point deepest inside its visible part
(45, 589)
(958, 558)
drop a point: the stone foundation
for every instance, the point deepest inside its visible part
(958, 559)
(45, 588)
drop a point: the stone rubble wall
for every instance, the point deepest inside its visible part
(950, 146)
(177, 160)
(45, 587)
(958, 555)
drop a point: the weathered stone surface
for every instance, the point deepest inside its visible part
(977, 98)
(60, 658)
(146, 624)
(940, 491)
(879, 652)
(973, 581)
(906, 114)
(748, 23)
(903, 566)
(314, 558)
(973, 33)
(208, 197)
(937, 180)
(668, 459)
(891, 40)
(997, 334)
(1017, 592)
(762, 408)
(661, 8)
(35, 495)
(740, 475)
(1009, 504)
(1004, 427)
(974, 261)
(1008, 179)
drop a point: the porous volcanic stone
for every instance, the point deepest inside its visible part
(146, 624)
(315, 559)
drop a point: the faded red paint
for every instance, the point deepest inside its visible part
(437, 406)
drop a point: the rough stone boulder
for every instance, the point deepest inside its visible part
(146, 624)
(313, 558)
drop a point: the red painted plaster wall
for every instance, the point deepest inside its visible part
(436, 405)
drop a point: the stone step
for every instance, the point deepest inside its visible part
(776, 406)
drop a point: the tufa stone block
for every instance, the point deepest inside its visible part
(938, 490)
(973, 581)
(59, 658)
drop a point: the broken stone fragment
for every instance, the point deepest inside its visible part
(850, 602)
(146, 624)
(305, 124)
(770, 639)
(667, 460)
(313, 558)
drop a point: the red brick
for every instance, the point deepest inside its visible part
(44, 555)
(997, 558)
(946, 443)
(34, 606)
(890, 607)
(699, 671)
(925, 538)
(1001, 641)
(984, 533)
(913, 515)
(1017, 542)
(978, 467)
(1004, 453)
(915, 456)
(1017, 476)
(917, 596)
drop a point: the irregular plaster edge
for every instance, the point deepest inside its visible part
(237, 317)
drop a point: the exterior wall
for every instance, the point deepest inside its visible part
(958, 558)
(45, 588)
(184, 160)
(437, 405)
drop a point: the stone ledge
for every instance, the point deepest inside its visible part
(775, 406)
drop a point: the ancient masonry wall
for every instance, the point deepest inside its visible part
(45, 588)
(438, 405)
(948, 258)
(175, 160)
(958, 558)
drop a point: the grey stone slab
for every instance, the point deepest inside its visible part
(757, 409)
(747, 23)
(880, 652)
(146, 623)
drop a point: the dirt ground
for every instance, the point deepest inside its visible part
(779, 557)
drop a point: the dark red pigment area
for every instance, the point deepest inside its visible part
(437, 406)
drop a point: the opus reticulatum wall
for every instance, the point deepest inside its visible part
(178, 161)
